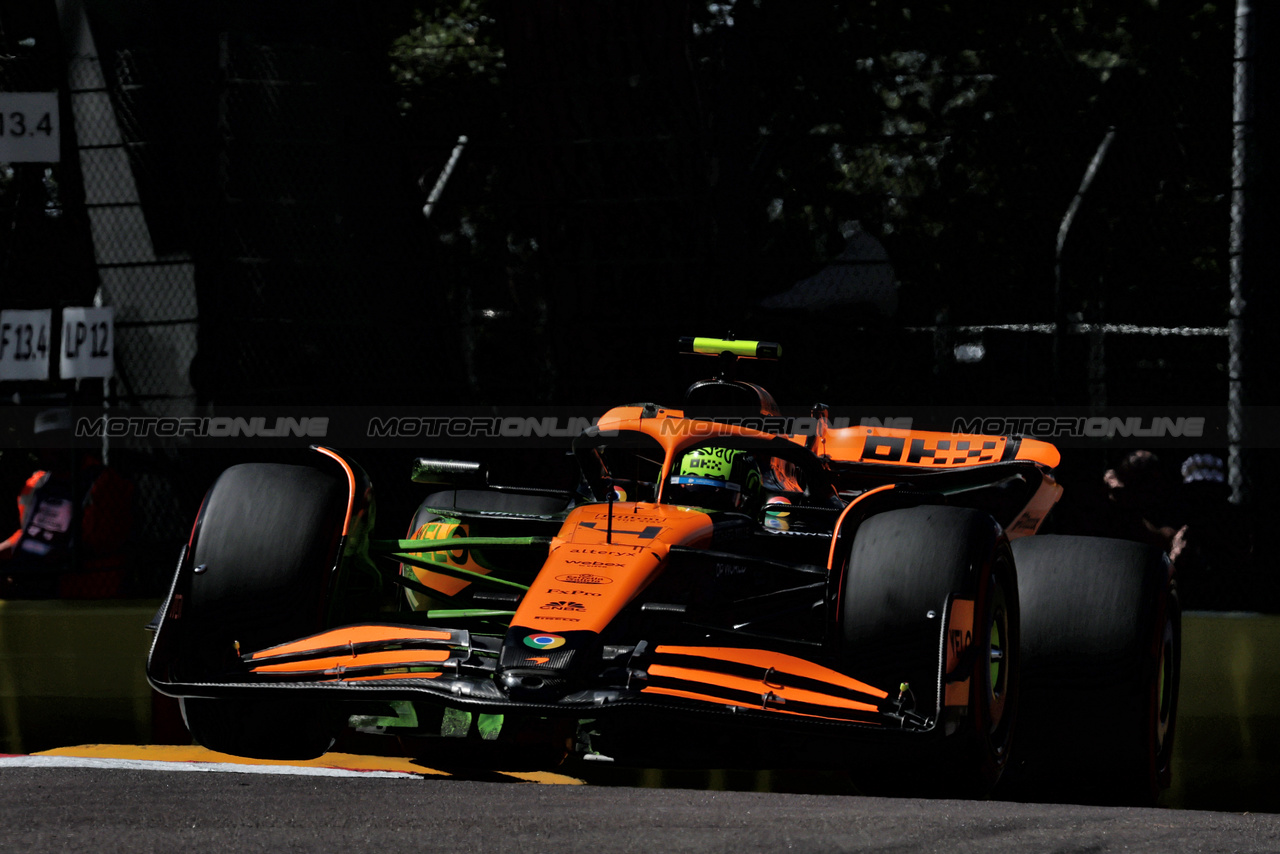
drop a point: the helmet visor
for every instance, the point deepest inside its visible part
(703, 492)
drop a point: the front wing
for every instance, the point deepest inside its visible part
(457, 668)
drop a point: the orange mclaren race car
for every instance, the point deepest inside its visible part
(872, 598)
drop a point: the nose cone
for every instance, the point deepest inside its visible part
(534, 686)
(601, 560)
(542, 665)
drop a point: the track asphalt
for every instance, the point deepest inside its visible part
(110, 798)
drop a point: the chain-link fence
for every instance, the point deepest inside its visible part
(888, 195)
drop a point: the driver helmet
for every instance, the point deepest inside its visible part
(715, 478)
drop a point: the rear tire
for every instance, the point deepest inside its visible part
(904, 568)
(1102, 651)
(265, 548)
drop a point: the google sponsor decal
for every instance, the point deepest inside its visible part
(544, 641)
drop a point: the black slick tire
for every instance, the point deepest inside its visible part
(265, 546)
(904, 569)
(1101, 657)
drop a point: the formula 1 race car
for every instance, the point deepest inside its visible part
(717, 591)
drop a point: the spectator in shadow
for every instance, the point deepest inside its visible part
(75, 523)
(1141, 502)
(1213, 550)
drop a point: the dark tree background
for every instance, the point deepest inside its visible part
(637, 171)
(648, 170)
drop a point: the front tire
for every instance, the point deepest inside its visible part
(905, 568)
(262, 729)
(264, 553)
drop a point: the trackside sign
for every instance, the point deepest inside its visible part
(25, 338)
(88, 343)
(29, 129)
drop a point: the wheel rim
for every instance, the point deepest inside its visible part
(1164, 685)
(996, 655)
(997, 658)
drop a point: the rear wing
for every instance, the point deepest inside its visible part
(1008, 477)
(929, 449)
